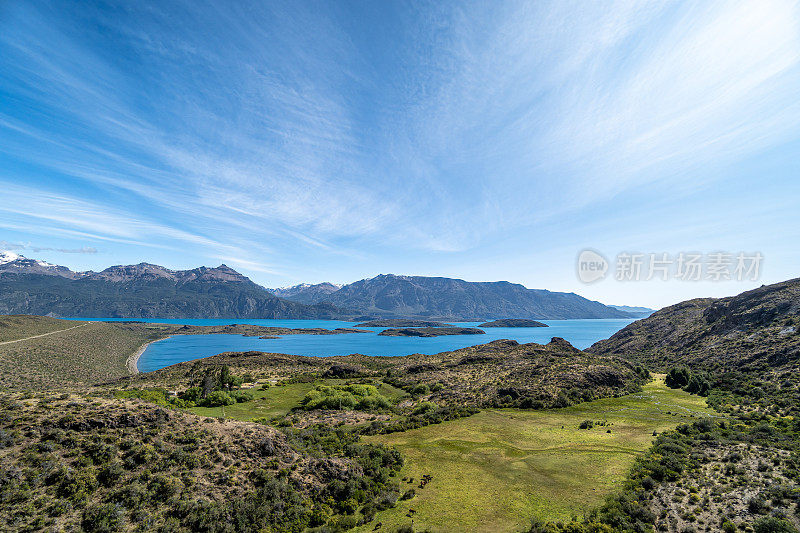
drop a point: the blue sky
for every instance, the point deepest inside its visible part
(332, 141)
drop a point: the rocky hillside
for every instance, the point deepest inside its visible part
(758, 329)
(501, 373)
(142, 291)
(389, 296)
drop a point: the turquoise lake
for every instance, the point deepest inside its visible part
(179, 348)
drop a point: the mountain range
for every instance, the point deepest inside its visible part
(34, 287)
(29, 286)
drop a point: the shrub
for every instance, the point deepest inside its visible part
(586, 424)
(420, 389)
(359, 397)
(757, 505)
(110, 473)
(242, 396)
(677, 377)
(424, 407)
(102, 518)
(192, 394)
(217, 398)
(773, 524)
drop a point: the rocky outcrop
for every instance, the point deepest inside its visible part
(429, 332)
(513, 323)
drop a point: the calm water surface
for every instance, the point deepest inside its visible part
(581, 333)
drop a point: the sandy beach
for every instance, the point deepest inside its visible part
(132, 363)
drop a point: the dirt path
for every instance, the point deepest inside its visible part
(44, 334)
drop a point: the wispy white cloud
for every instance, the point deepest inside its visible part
(271, 130)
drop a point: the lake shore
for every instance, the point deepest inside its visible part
(132, 364)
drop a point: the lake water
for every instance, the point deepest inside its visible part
(580, 333)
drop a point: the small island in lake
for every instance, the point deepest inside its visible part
(429, 332)
(513, 323)
(403, 323)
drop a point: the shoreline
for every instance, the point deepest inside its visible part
(132, 363)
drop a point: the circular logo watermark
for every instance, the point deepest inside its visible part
(592, 266)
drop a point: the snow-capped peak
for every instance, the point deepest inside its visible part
(8, 257)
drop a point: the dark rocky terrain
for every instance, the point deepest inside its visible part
(143, 291)
(513, 323)
(389, 295)
(429, 332)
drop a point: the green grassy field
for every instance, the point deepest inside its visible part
(496, 470)
(274, 401)
(279, 400)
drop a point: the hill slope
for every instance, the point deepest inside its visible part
(142, 291)
(758, 329)
(389, 295)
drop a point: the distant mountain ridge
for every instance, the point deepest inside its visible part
(639, 312)
(144, 290)
(306, 293)
(391, 296)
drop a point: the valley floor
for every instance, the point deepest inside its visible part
(496, 470)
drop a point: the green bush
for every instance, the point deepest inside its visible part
(773, 524)
(424, 407)
(216, 399)
(242, 396)
(359, 397)
(192, 394)
(103, 518)
(677, 377)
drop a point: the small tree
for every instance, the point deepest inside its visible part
(678, 377)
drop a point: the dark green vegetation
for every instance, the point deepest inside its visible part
(391, 296)
(429, 332)
(403, 323)
(144, 291)
(513, 323)
(94, 464)
(737, 474)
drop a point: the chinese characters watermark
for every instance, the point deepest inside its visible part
(683, 266)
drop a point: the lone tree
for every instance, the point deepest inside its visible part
(678, 377)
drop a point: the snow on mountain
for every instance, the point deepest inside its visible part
(8, 257)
